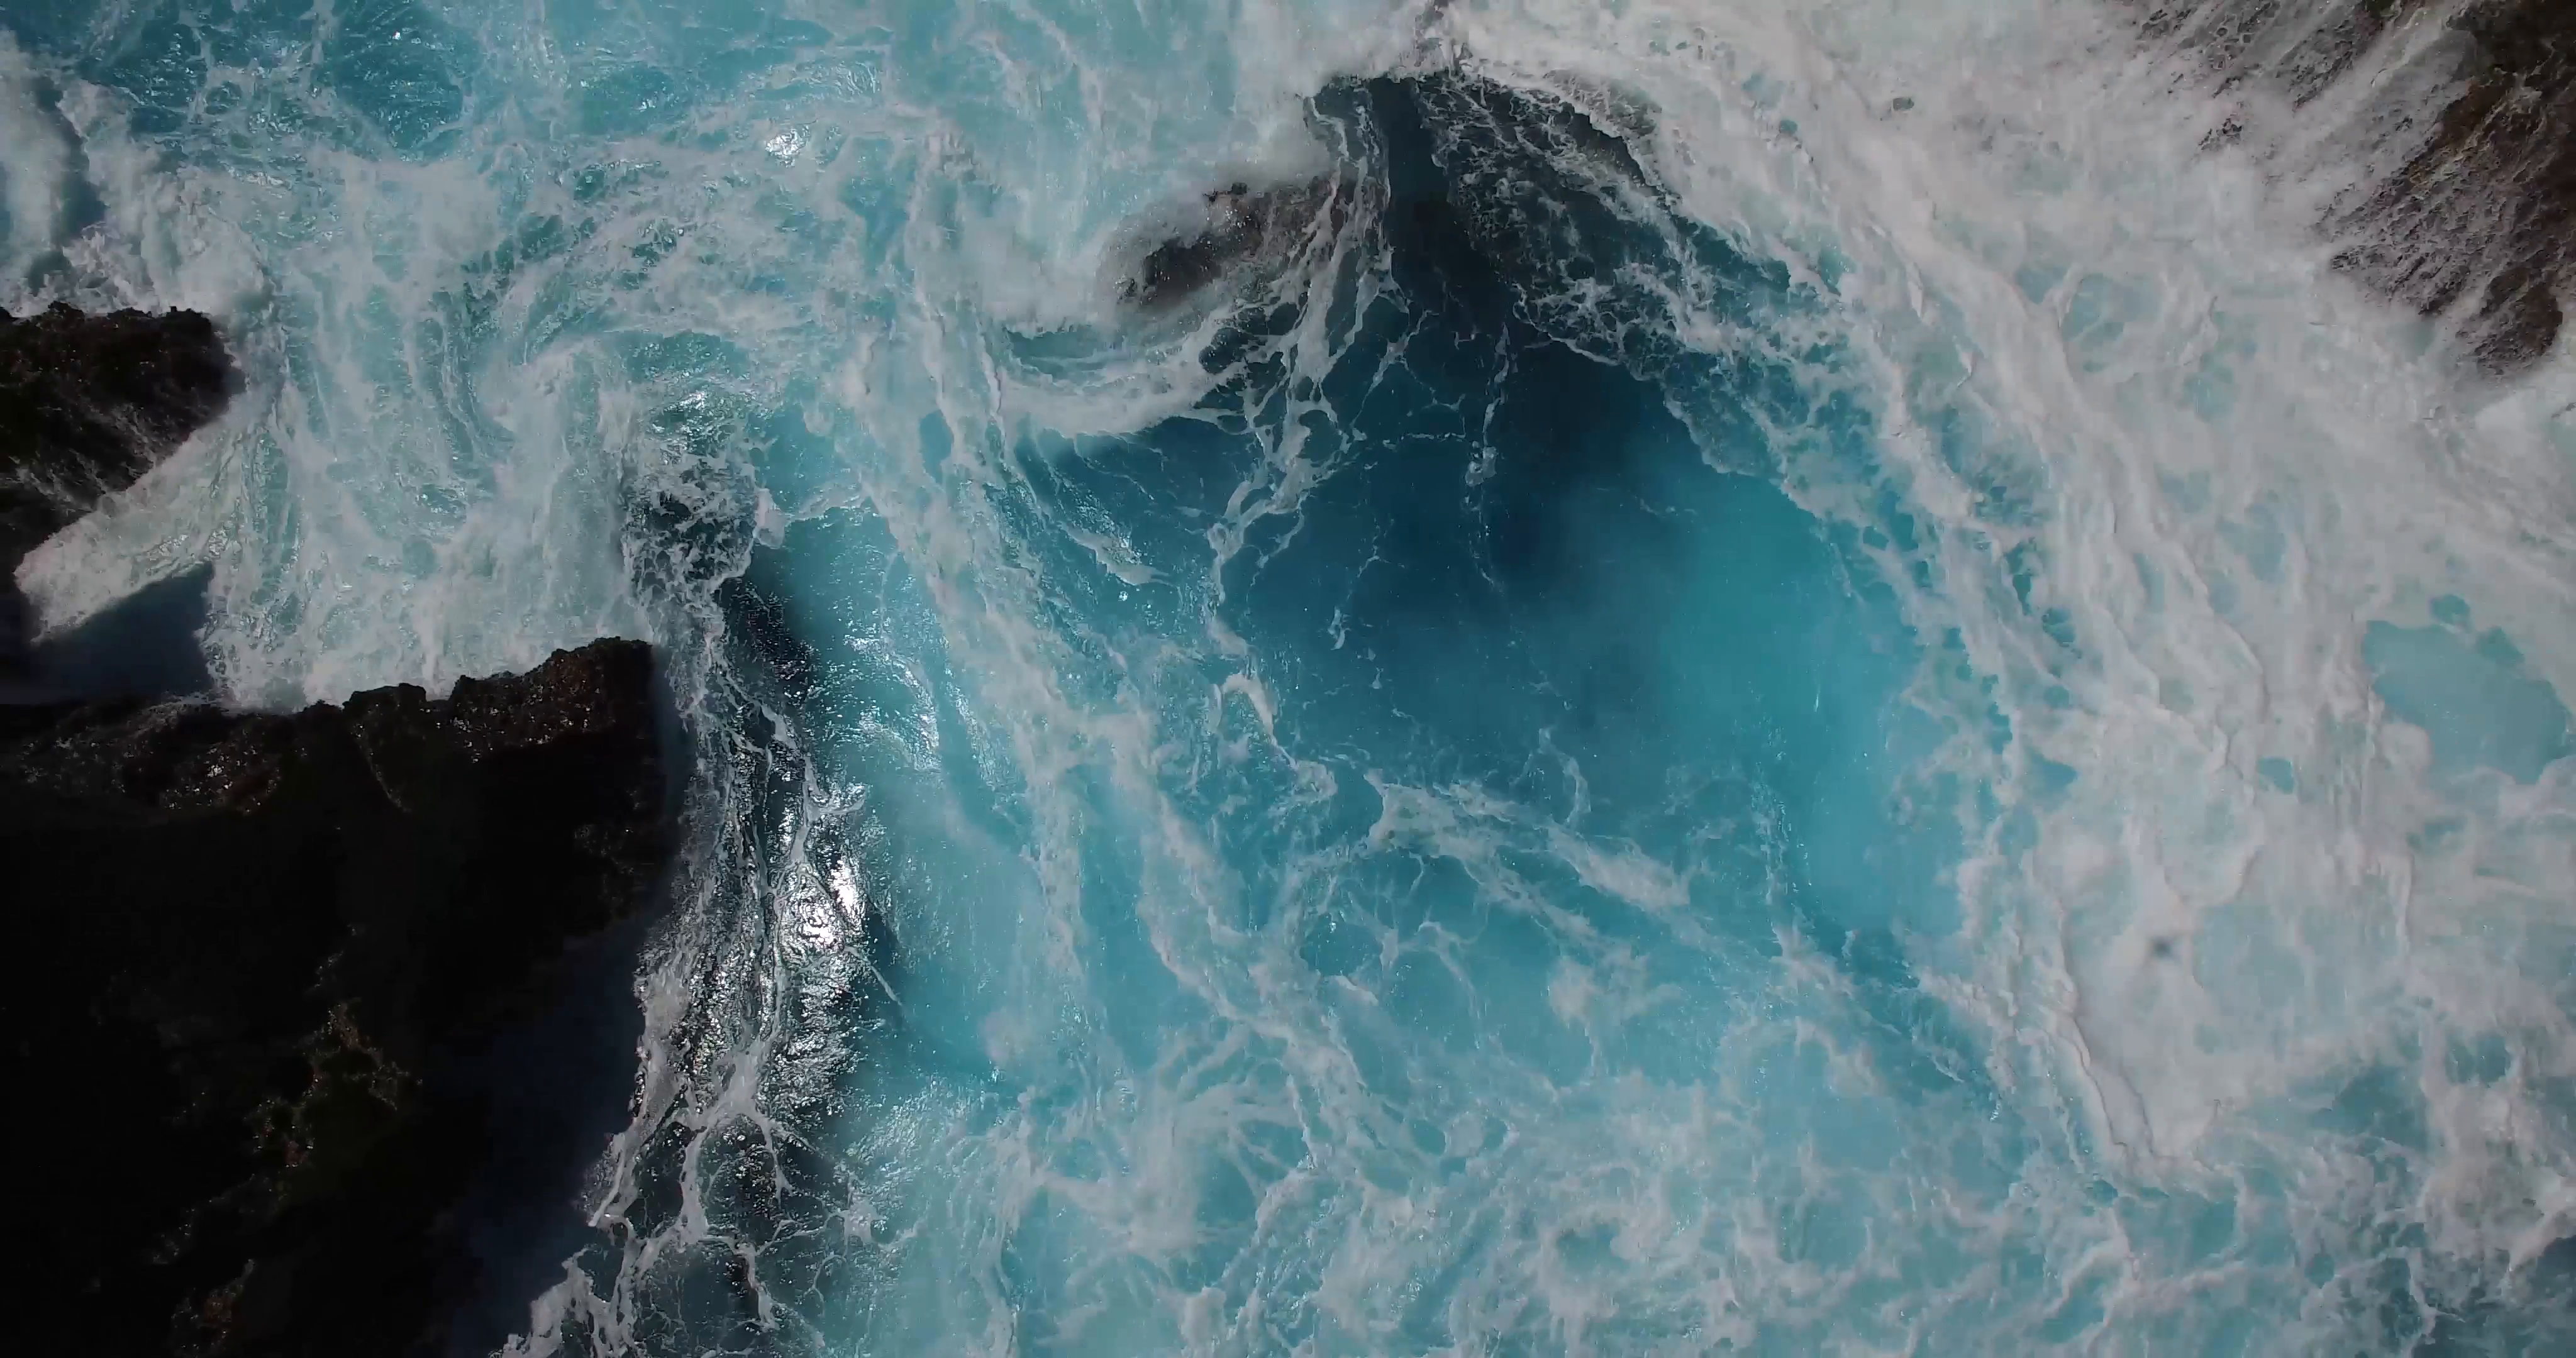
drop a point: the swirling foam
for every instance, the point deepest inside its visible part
(2166, 949)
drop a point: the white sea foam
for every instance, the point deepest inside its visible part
(2229, 462)
(32, 179)
(2213, 462)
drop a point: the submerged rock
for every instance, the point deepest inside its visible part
(88, 404)
(1566, 130)
(263, 962)
(1237, 225)
(1182, 265)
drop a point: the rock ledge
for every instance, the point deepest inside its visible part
(264, 959)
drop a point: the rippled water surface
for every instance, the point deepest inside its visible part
(1773, 677)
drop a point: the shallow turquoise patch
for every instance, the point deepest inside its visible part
(2277, 774)
(2472, 697)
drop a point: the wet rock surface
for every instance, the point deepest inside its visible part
(1237, 225)
(265, 965)
(2487, 210)
(2478, 222)
(88, 404)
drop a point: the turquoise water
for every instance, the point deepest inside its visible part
(1697, 715)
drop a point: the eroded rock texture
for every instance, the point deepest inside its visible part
(1236, 226)
(2488, 208)
(88, 404)
(260, 961)
(2479, 220)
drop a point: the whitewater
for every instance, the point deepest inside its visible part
(1778, 676)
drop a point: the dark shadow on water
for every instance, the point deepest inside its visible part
(555, 1088)
(145, 644)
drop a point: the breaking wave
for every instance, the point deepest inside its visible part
(1389, 678)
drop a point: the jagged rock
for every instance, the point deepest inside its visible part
(1237, 225)
(1571, 125)
(2484, 213)
(88, 404)
(2304, 47)
(2494, 191)
(262, 957)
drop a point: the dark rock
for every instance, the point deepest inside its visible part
(1571, 129)
(2490, 202)
(1236, 226)
(265, 958)
(2480, 222)
(1180, 266)
(2303, 47)
(88, 404)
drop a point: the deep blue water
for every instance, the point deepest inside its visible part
(1536, 768)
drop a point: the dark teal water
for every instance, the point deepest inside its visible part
(1534, 770)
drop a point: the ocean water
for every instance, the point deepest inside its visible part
(1779, 677)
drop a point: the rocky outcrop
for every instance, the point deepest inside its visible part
(1235, 226)
(2487, 210)
(263, 960)
(88, 404)
(2479, 220)
(295, 1036)
(1568, 128)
